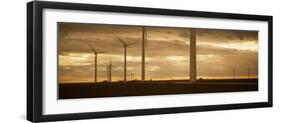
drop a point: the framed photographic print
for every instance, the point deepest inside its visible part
(96, 61)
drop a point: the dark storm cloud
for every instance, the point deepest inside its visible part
(68, 29)
(172, 47)
(111, 45)
(217, 36)
(220, 51)
(104, 37)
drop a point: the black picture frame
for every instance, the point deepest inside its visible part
(35, 69)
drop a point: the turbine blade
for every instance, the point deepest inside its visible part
(92, 48)
(119, 39)
(99, 52)
(129, 44)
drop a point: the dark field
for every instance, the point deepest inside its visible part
(136, 88)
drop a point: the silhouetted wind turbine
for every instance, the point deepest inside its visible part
(234, 71)
(192, 57)
(109, 71)
(96, 52)
(131, 76)
(125, 45)
(248, 72)
(144, 44)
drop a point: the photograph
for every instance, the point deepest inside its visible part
(89, 60)
(107, 60)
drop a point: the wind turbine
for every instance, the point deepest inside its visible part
(234, 71)
(192, 56)
(96, 52)
(131, 76)
(109, 71)
(248, 72)
(144, 44)
(125, 45)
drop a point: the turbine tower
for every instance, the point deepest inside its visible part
(109, 71)
(193, 66)
(96, 52)
(125, 45)
(234, 71)
(144, 44)
(248, 72)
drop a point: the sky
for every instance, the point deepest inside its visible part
(219, 52)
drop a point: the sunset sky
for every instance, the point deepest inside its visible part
(167, 52)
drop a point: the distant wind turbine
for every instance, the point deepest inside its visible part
(125, 45)
(109, 71)
(248, 72)
(234, 71)
(132, 77)
(96, 52)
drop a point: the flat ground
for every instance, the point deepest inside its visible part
(135, 88)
